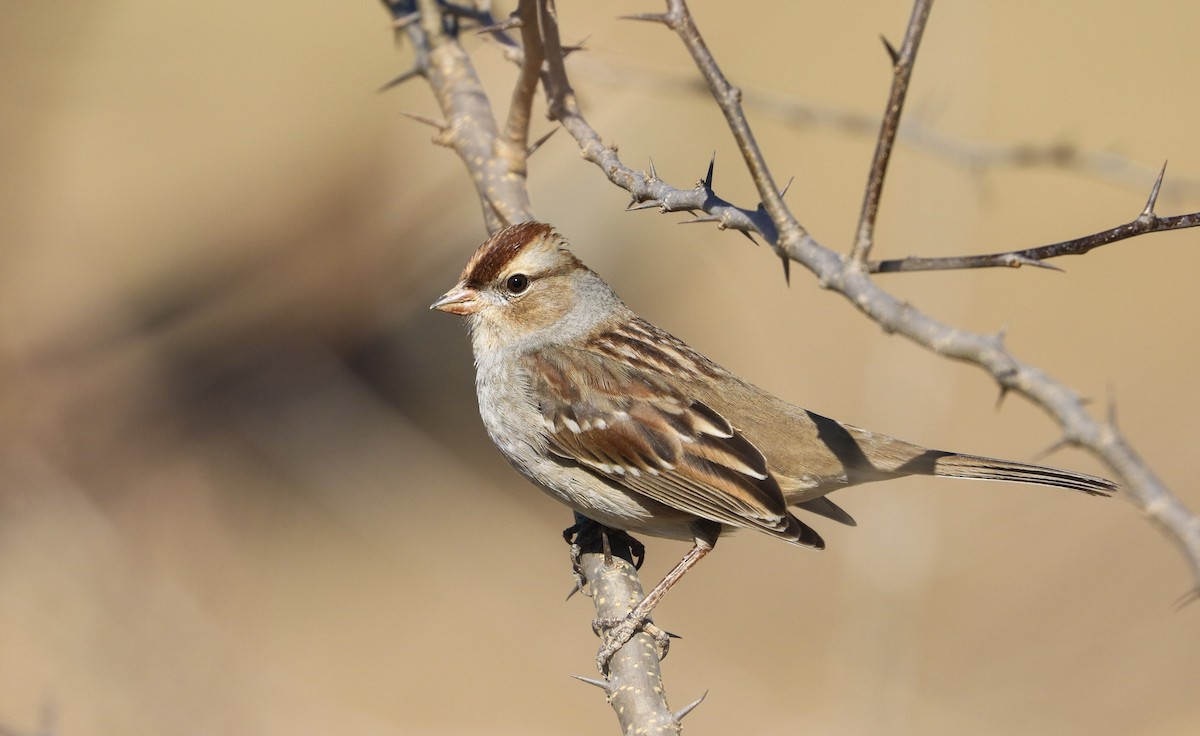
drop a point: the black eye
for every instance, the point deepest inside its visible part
(517, 283)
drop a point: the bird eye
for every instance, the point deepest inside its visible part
(517, 283)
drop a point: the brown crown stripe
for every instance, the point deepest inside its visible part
(499, 250)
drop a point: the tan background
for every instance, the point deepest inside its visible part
(243, 485)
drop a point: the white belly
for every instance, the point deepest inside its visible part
(514, 423)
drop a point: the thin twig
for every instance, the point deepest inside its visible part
(516, 131)
(1141, 225)
(1146, 222)
(902, 69)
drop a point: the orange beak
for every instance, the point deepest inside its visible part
(460, 300)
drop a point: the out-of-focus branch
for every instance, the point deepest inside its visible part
(836, 272)
(974, 156)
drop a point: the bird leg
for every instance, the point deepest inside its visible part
(620, 631)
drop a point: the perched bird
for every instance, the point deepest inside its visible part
(637, 431)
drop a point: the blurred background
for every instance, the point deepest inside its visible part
(244, 488)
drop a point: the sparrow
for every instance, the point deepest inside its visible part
(635, 430)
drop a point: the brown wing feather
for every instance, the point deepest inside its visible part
(654, 440)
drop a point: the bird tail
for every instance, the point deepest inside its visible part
(954, 465)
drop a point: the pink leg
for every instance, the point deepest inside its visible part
(640, 615)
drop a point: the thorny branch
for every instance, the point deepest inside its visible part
(1146, 222)
(634, 686)
(470, 129)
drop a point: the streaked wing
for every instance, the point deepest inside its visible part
(622, 421)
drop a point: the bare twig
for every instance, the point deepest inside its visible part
(516, 131)
(1146, 222)
(902, 68)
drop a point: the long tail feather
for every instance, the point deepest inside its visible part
(988, 468)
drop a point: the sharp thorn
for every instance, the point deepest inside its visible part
(574, 589)
(892, 52)
(1040, 264)
(1000, 397)
(653, 173)
(680, 714)
(1016, 260)
(509, 23)
(787, 269)
(648, 17)
(593, 681)
(748, 236)
(702, 218)
(581, 46)
(649, 203)
(1188, 597)
(708, 178)
(1051, 450)
(434, 122)
(414, 72)
(787, 186)
(538, 143)
(1149, 211)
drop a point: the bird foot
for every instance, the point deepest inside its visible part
(586, 535)
(577, 572)
(616, 633)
